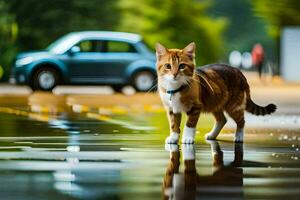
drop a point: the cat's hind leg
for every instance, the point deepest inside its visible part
(219, 124)
(238, 117)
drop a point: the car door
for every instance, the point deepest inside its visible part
(116, 57)
(85, 65)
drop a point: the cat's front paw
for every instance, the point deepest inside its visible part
(172, 139)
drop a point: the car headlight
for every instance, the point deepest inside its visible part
(24, 61)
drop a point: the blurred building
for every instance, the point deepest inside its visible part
(290, 54)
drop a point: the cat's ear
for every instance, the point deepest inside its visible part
(190, 49)
(160, 50)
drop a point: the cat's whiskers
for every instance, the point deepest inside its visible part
(194, 79)
(188, 83)
(205, 79)
(150, 90)
(155, 85)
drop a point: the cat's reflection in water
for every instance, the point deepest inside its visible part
(225, 181)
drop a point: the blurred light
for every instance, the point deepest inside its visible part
(12, 80)
(246, 60)
(235, 58)
(128, 90)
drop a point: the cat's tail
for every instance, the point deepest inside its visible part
(254, 108)
(260, 110)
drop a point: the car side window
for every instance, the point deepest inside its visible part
(90, 46)
(117, 46)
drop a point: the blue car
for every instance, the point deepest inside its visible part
(89, 57)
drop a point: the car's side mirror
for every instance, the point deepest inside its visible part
(74, 50)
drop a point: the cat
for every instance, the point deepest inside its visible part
(189, 185)
(215, 88)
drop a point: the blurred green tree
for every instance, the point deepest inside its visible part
(41, 22)
(244, 29)
(175, 23)
(8, 35)
(278, 13)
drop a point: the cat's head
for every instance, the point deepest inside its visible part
(175, 67)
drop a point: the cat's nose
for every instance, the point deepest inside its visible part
(175, 76)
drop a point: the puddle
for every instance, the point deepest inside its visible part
(67, 155)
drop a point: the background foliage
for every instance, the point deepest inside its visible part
(277, 14)
(8, 36)
(175, 23)
(217, 26)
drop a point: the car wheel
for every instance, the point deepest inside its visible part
(45, 78)
(144, 81)
(117, 88)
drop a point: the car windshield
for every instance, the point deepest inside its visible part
(62, 44)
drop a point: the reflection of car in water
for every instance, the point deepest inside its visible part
(90, 57)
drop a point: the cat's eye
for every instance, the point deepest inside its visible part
(182, 66)
(167, 66)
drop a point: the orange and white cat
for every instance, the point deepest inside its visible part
(215, 88)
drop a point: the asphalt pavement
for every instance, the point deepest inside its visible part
(87, 142)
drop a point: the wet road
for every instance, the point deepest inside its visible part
(64, 154)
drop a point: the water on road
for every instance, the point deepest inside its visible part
(68, 155)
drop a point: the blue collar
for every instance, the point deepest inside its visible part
(172, 92)
(175, 91)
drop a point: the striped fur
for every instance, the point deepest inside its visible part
(260, 110)
(214, 88)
